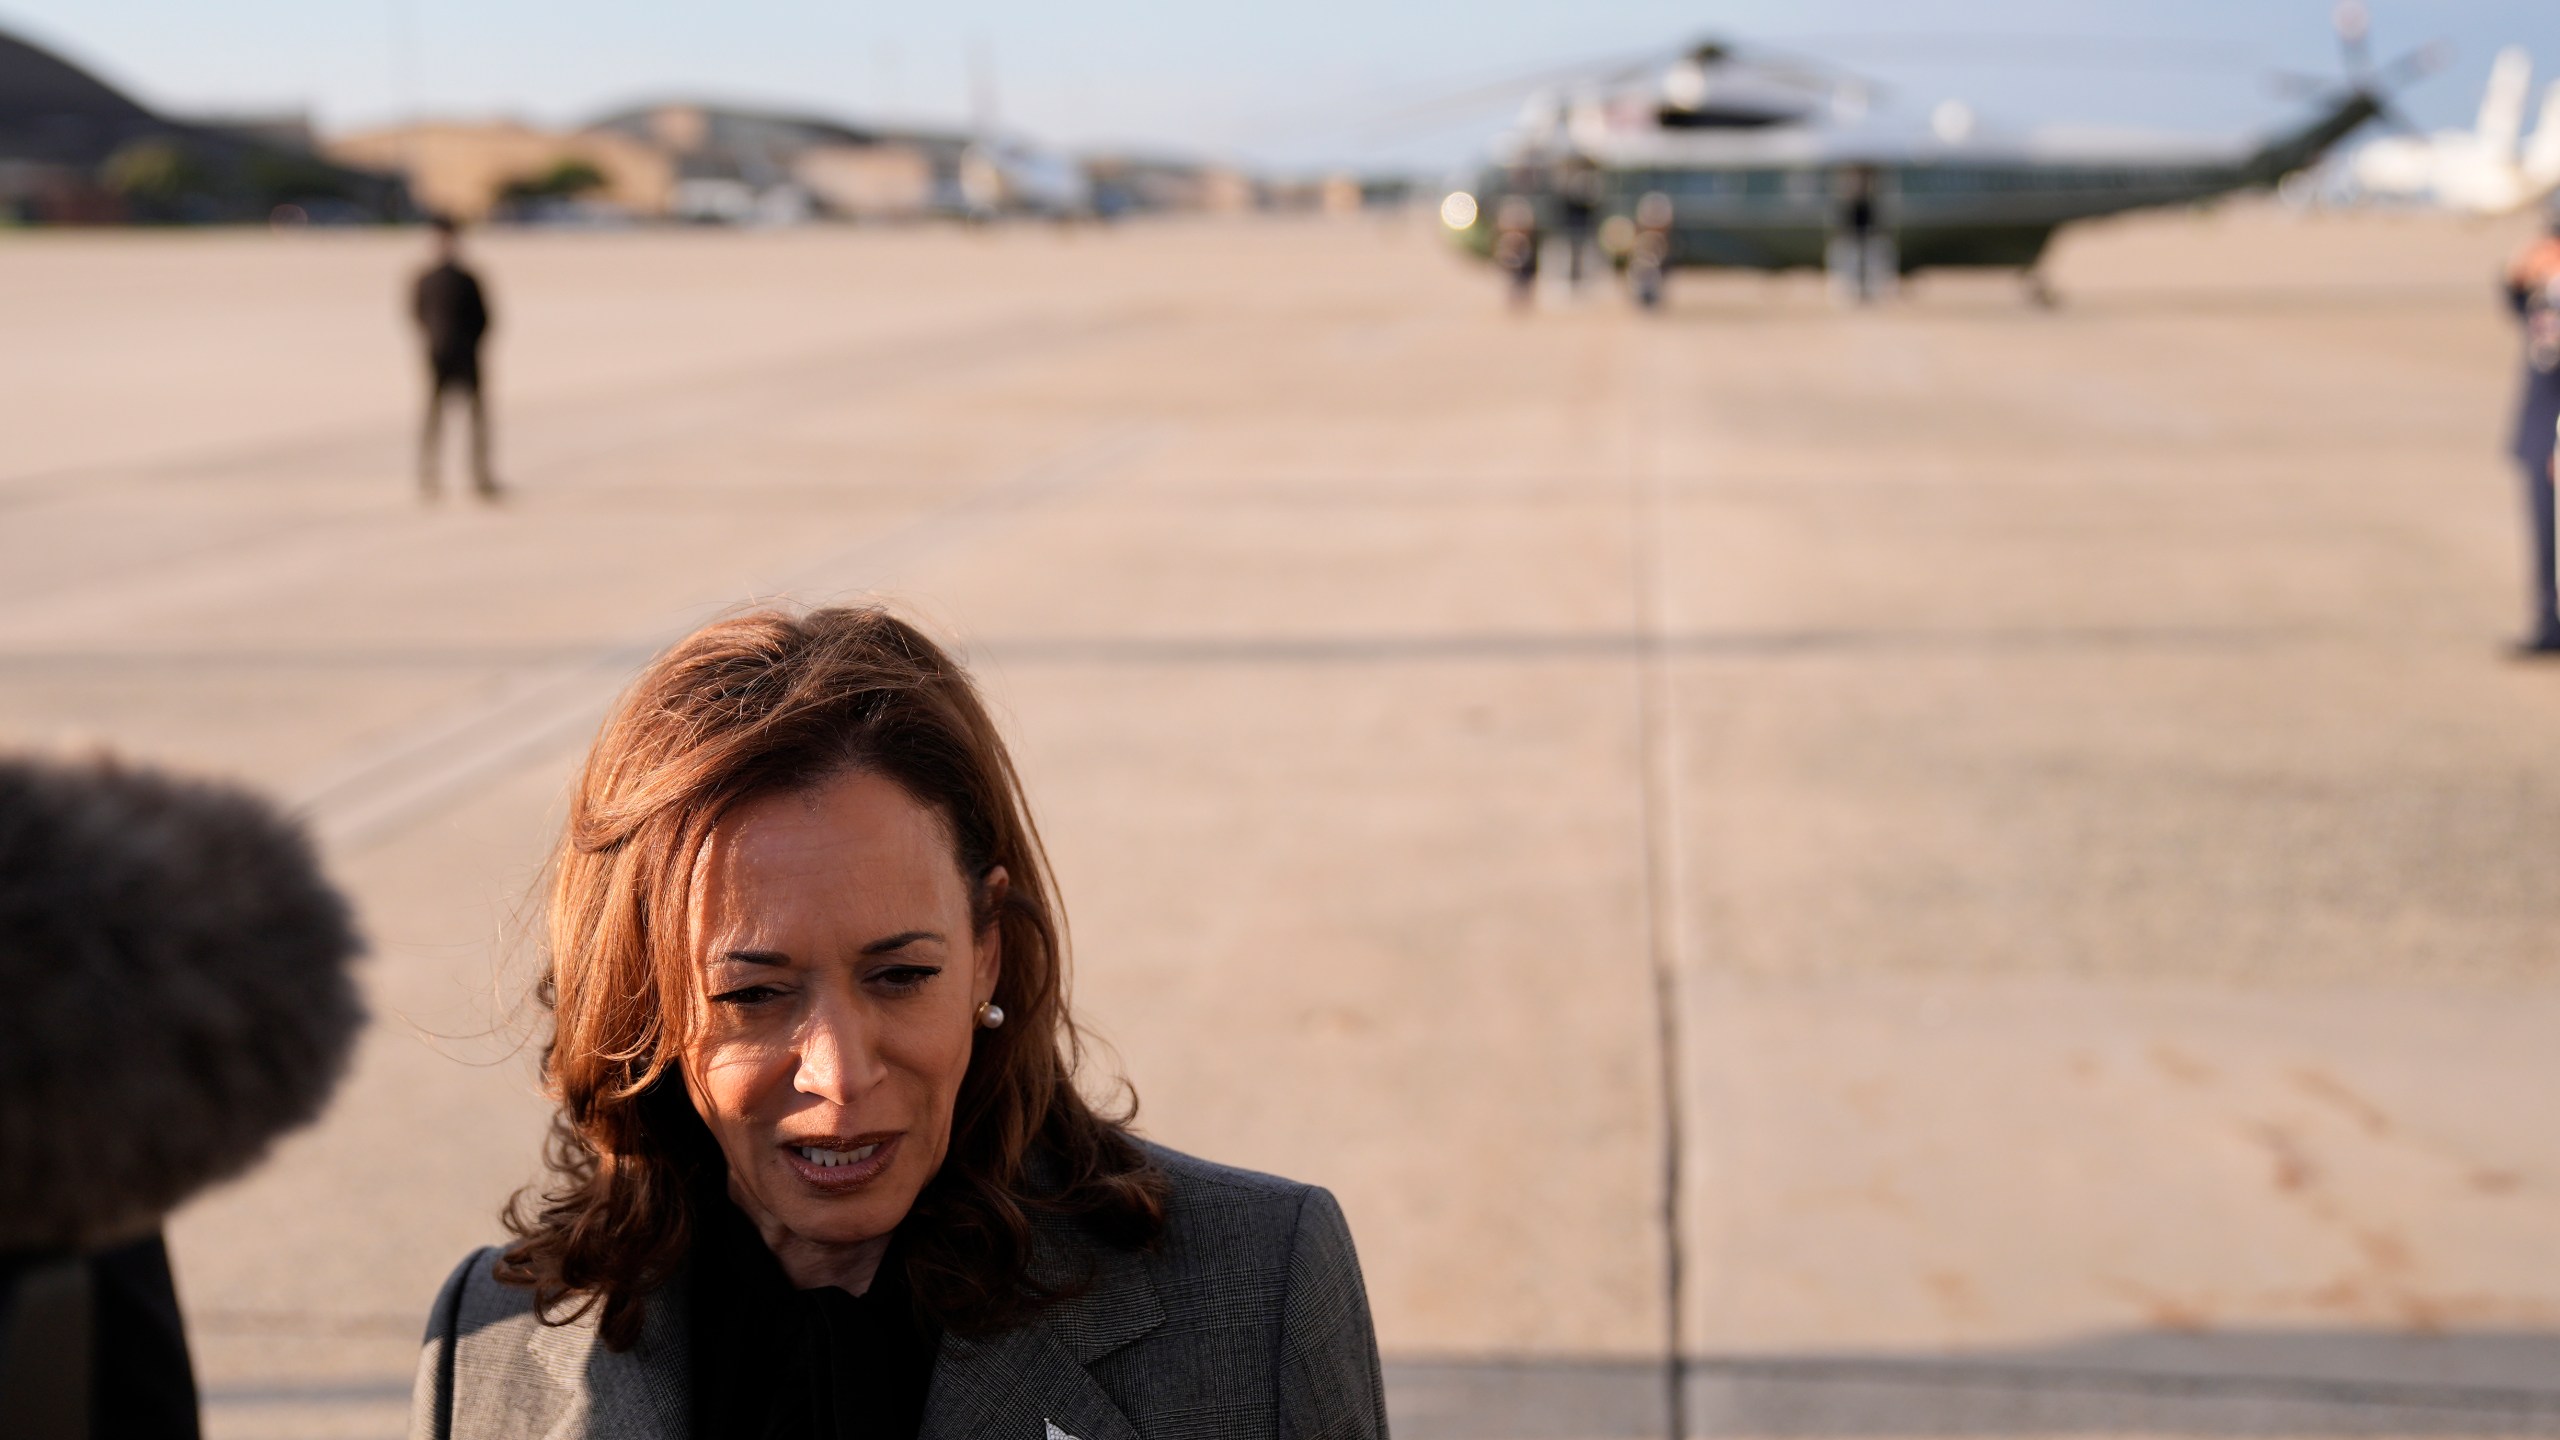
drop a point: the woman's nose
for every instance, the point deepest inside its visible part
(839, 1056)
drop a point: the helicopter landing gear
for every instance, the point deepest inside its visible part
(2039, 291)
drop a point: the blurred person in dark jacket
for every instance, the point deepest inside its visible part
(453, 314)
(2533, 289)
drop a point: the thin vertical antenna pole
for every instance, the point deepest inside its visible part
(403, 36)
(982, 89)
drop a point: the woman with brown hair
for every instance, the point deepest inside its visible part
(820, 1167)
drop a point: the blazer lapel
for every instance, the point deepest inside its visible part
(640, 1393)
(1032, 1380)
(1019, 1385)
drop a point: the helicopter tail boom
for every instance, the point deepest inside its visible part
(2301, 148)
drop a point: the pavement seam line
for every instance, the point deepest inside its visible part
(1658, 802)
(428, 769)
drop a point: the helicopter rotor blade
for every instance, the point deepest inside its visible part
(2363, 75)
(1821, 77)
(1519, 85)
(1816, 78)
(2415, 66)
(2077, 51)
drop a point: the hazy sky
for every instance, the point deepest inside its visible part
(1302, 83)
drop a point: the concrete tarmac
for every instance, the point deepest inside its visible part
(1961, 870)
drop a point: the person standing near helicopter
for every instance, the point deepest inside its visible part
(1649, 254)
(2533, 289)
(1515, 246)
(1577, 213)
(1860, 253)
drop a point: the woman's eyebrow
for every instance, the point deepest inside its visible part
(900, 941)
(756, 957)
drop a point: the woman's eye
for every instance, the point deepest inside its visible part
(749, 995)
(900, 979)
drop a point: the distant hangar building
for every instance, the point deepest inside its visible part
(75, 150)
(671, 161)
(737, 163)
(475, 169)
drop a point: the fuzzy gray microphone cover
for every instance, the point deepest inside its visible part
(174, 994)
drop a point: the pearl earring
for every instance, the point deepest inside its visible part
(990, 1015)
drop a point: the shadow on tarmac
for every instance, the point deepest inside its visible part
(1975, 300)
(2236, 1383)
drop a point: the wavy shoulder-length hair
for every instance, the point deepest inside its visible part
(748, 706)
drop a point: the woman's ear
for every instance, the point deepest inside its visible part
(990, 938)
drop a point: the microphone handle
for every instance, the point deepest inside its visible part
(46, 1324)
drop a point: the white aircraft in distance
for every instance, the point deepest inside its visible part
(2490, 169)
(1015, 177)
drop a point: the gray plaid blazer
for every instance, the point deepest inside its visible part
(1247, 1320)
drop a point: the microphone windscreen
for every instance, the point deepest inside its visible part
(174, 994)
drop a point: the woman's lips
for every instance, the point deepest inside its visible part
(836, 1166)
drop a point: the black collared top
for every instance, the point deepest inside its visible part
(772, 1362)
